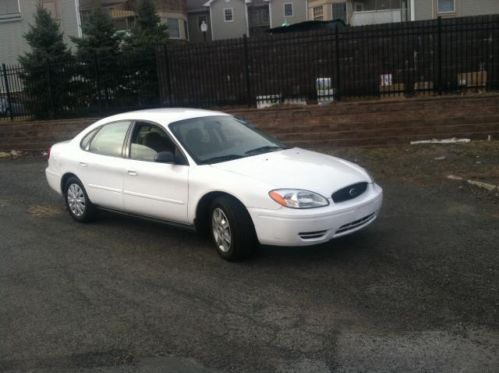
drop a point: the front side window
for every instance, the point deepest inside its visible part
(446, 6)
(109, 139)
(173, 28)
(288, 10)
(221, 138)
(9, 9)
(147, 141)
(228, 15)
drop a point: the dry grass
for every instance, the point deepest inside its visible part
(428, 164)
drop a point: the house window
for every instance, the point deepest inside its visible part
(446, 6)
(173, 28)
(228, 14)
(340, 11)
(318, 13)
(288, 10)
(9, 9)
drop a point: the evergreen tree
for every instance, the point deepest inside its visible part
(140, 48)
(148, 30)
(98, 53)
(47, 66)
(99, 38)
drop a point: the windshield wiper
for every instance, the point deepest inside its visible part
(221, 158)
(264, 149)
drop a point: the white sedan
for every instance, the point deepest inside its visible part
(210, 171)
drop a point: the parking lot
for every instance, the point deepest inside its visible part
(416, 291)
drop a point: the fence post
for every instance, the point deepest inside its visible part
(7, 90)
(439, 76)
(167, 72)
(51, 95)
(337, 62)
(247, 70)
(97, 81)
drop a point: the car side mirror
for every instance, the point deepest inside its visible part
(164, 157)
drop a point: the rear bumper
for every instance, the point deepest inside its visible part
(54, 180)
(290, 227)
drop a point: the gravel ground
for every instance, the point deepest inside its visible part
(416, 291)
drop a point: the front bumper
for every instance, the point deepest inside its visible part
(292, 227)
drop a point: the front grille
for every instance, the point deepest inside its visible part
(312, 235)
(355, 224)
(349, 192)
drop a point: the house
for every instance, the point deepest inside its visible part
(119, 10)
(174, 14)
(17, 15)
(430, 9)
(366, 12)
(235, 18)
(122, 12)
(198, 19)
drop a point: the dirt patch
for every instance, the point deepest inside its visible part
(44, 211)
(429, 163)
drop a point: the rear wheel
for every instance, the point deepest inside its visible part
(232, 230)
(77, 202)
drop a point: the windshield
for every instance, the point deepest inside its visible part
(221, 138)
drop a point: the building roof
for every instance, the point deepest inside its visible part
(90, 4)
(209, 2)
(196, 5)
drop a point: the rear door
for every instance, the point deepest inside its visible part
(153, 189)
(101, 166)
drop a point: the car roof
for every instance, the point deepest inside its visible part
(163, 116)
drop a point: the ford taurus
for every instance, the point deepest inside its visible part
(210, 171)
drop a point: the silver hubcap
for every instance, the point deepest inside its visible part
(76, 200)
(221, 230)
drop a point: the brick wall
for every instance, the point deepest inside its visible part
(365, 123)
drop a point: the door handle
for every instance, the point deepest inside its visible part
(83, 164)
(132, 173)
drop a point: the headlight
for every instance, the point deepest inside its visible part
(298, 199)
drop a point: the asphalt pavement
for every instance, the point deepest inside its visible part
(416, 291)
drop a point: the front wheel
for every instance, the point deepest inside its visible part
(232, 229)
(77, 202)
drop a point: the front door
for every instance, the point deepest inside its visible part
(158, 190)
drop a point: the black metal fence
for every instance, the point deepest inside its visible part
(400, 59)
(96, 87)
(444, 56)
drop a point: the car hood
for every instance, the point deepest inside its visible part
(299, 169)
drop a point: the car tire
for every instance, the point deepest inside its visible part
(231, 229)
(77, 202)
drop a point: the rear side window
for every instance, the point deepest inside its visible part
(110, 138)
(85, 143)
